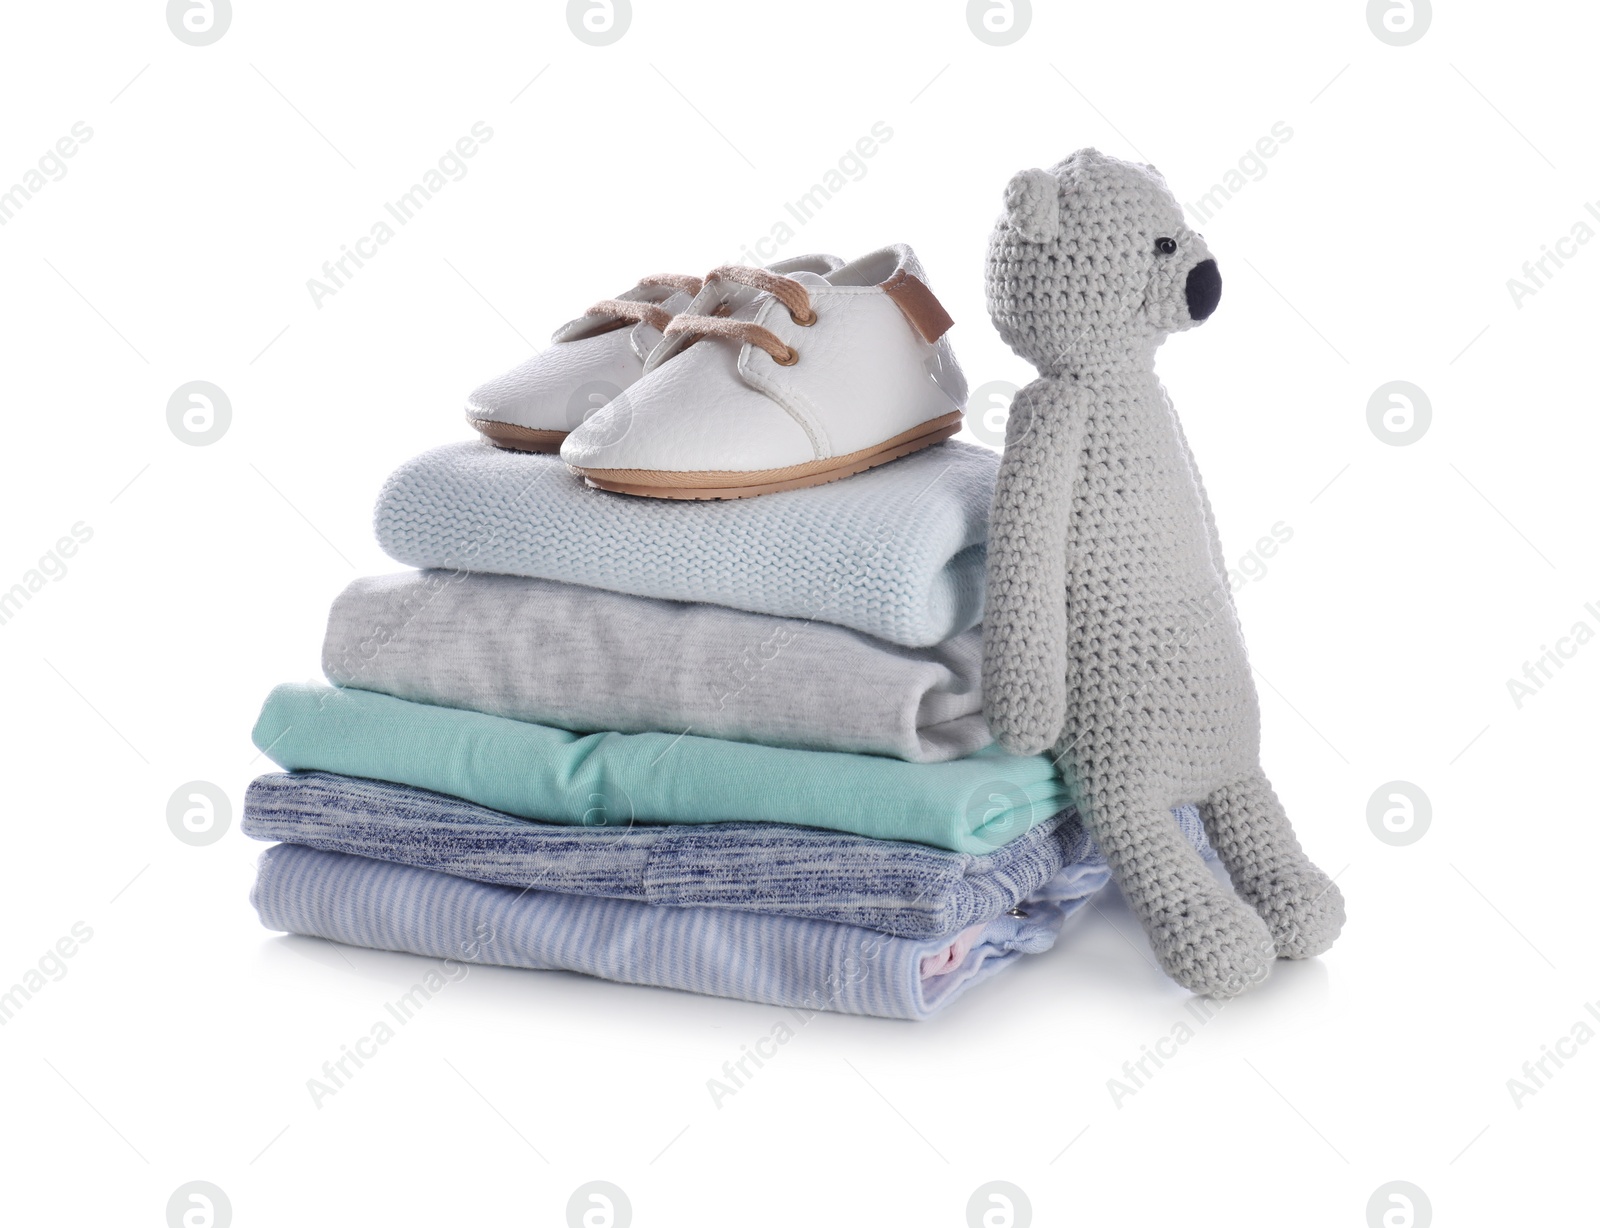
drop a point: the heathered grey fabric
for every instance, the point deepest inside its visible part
(891, 886)
(886, 885)
(584, 659)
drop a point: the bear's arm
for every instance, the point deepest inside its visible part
(1025, 601)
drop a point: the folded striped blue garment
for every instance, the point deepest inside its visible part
(907, 890)
(896, 552)
(782, 961)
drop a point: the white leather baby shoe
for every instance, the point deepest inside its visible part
(769, 382)
(593, 359)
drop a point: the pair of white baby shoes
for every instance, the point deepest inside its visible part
(751, 381)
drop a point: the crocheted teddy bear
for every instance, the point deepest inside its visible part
(1110, 633)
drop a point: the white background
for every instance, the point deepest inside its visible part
(1419, 578)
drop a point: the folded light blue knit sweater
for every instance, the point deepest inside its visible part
(896, 552)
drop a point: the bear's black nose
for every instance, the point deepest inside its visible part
(1203, 290)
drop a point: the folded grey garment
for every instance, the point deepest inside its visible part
(587, 660)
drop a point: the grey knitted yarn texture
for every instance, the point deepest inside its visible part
(1109, 626)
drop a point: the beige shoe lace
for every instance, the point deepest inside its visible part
(792, 294)
(658, 317)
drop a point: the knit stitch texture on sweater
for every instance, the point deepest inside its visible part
(896, 552)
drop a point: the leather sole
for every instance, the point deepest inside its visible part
(735, 484)
(518, 438)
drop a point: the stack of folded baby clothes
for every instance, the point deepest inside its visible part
(734, 747)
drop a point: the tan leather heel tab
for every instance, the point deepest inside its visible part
(912, 296)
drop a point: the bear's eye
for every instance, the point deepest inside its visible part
(1166, 246)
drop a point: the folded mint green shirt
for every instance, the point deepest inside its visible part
(970, 805)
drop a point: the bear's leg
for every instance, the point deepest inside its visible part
(1300, 904)
(1206, 938)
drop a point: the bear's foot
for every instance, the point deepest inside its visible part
(1211, 942)
(1302, 907)
(1252, 836)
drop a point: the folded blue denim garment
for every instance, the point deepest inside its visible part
(783, 961)
(907, 890)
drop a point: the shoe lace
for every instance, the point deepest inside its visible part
(792, 294)
(624, 310)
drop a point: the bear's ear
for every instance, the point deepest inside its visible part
(1033, 206)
